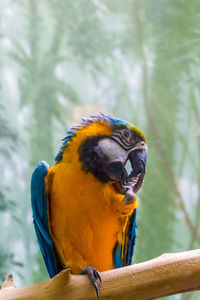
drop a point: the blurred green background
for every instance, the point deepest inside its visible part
(135, 59)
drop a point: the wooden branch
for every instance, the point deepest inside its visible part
(166, 275)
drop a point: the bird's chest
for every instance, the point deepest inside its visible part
(87, 216)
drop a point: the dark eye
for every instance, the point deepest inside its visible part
(126, 134)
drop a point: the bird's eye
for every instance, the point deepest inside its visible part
(126, 134)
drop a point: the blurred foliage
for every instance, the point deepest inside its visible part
(138, 60)
(6, 259)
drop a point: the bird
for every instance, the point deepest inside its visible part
(84, 207)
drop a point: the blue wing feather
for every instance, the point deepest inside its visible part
(117, 258)
(39, 202)
(131, 237)
(123, 253)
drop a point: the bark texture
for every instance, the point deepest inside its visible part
(166, 275)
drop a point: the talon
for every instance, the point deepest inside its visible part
(97, 275)
(129, 196)
(93, 275)
(96, 288)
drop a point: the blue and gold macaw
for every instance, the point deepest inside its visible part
(84, 207)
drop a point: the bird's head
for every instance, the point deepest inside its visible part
(104, 144)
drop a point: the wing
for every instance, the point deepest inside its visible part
(39, 202)
(123, 253)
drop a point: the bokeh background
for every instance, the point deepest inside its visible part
(135, 59)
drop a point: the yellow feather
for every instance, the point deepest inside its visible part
(86, 216)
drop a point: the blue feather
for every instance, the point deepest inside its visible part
(131, 237)
(117, 258)
(39, 204)
(128, 247)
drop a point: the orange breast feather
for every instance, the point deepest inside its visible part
(86, 217)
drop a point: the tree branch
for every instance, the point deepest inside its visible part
(163, 276)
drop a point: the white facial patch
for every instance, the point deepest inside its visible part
(113, 150)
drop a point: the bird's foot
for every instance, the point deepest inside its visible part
(93, 275)
(129, 196)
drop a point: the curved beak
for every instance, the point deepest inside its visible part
(138, 159)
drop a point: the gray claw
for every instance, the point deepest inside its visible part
(93, 275)
(96, 288)
(132, 186)
(129, 196)
(97, 275)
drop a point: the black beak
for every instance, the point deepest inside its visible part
(129, 184)
(138, 159)
(116, 171)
